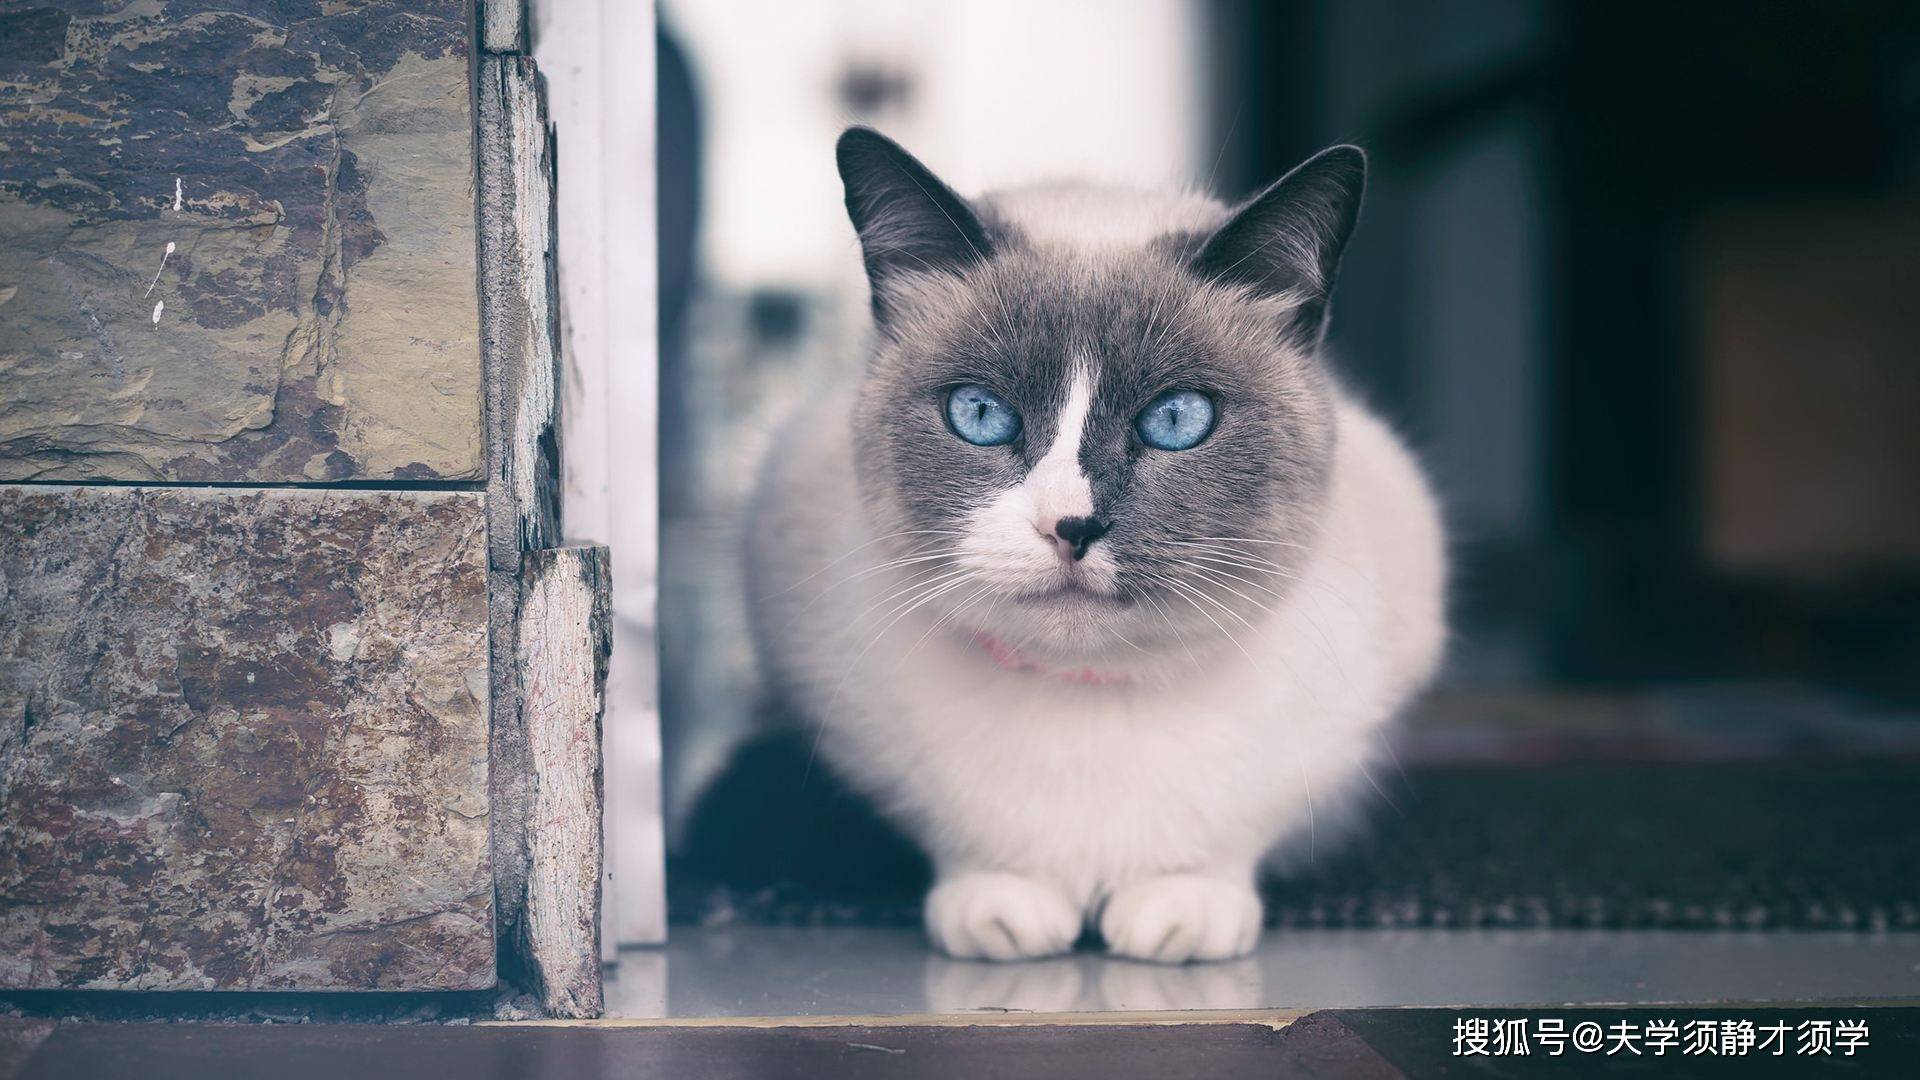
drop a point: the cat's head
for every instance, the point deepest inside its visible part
(1094, 420)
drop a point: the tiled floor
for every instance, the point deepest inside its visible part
(800, 972)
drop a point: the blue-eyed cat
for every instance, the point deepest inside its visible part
(1093, 576)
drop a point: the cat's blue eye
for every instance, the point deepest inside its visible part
(1176, 420)
(979, 416)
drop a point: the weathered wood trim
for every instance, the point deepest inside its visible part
(608, 279)
(540, 897)
(565, 635)
(519, 316)
(503, 26)
(508, 767)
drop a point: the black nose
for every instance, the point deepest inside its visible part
(1080, 532)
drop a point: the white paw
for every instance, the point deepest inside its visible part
(1181, 917)
(1000, 917)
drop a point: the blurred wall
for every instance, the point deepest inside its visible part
(598, 60)
(1573, 289)
(988, 93)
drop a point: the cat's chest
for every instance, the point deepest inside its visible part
(949, 702)
(1009, 743)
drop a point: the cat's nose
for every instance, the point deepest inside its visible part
(1079, 533)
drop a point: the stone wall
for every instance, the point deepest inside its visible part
(244, 731)
(243, 740)
(237, 242)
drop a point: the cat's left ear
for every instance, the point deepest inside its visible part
(1286, 242)
(909, 222)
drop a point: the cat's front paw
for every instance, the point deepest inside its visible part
(1000, 917)
(1181, 917)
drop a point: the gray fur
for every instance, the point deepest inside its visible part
(1216, 305)
(1079, 734)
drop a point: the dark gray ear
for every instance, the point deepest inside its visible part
(908, 221)
(1287, 240)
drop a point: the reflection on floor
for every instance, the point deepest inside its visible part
(859, 971)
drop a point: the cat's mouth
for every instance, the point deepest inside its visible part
(1070, 592)
(1033, 578)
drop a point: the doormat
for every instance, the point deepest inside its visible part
(1746, 845)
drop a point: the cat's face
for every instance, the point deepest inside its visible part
(1083, 450)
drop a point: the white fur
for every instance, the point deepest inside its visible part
(1011, 535)
(1141, 803)
(1056, 483)
(1145, 806)
(1093, 216)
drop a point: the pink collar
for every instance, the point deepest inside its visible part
(1014, 660)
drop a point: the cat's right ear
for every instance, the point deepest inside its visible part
(909, 222)
(1285, 242)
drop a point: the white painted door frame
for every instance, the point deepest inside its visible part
(598, 58)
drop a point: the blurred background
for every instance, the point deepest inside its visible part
(1639, 282)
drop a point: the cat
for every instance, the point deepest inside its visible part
(1094, 578)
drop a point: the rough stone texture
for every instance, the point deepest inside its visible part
(320, 320)
(503, 26)
(243, 740)
(565, 635)
(520, 309)
(520, 339)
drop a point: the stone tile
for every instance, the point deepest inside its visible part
(243, 739)
(311, 167)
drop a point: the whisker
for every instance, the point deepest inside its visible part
(1368, 773)
(925, 596)
(1182, 590)
(1217, 574)
(1255, 540)
(1294, 673)
(1320, 551)
(1186, 549)
(951, 615)
(1217, 602)
(927, 580)
(1166, 617)
(1319, 632)
(1211, 578)
(1322, 588)
(862, 547)
(925, 592)
(1313, 831)
(1247, 558)
(892, 564)
(1115, 631)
